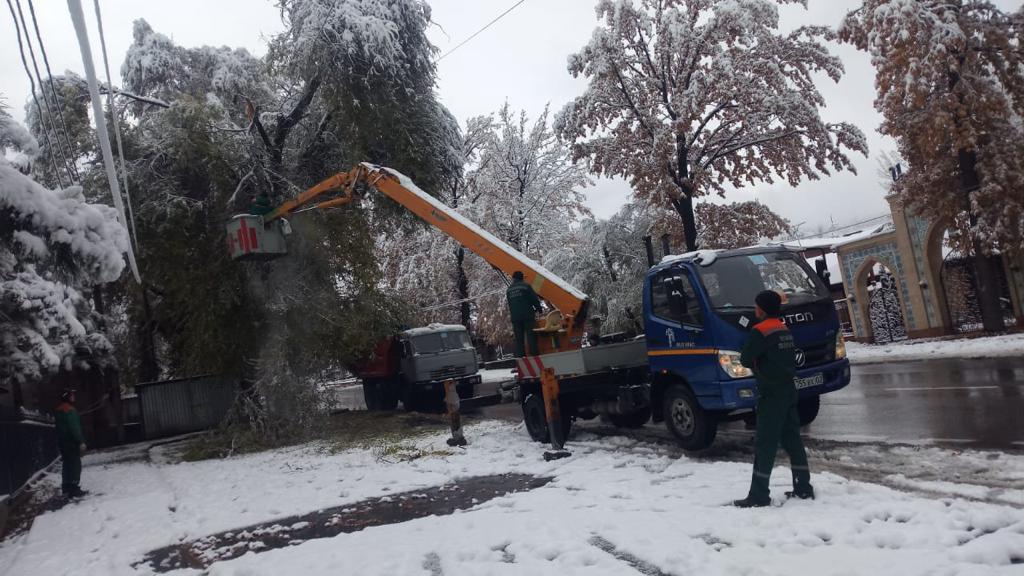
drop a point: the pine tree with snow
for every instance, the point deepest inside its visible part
(688, 97)
(54, 246)
(950, 81)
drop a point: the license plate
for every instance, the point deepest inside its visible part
(813, 380)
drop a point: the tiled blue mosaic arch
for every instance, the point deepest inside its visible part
(889, 255)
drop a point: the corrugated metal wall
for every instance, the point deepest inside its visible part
(184, 405)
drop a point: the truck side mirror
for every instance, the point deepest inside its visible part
(406, 349)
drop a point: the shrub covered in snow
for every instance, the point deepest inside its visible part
(53, 245)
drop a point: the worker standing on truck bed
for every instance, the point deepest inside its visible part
(771, 355)
(523, 307)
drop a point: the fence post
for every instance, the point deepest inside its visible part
(553, 411)
(451, 400)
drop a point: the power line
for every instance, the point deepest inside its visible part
(24, 63)
(49, 112)
(56, 100)
(834, 229)
(477, 33)
(117, 127)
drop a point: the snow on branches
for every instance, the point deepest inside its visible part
(950, 81)
(688, 97)
(737, 225)
(53, 245)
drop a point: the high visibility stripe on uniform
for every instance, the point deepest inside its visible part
(762, 474)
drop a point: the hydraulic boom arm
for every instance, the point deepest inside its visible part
(557, 334)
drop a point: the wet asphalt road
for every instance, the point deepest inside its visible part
(977, 403)
(969, 403)
(972, 403)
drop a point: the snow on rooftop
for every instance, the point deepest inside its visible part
(527, 262)
(432, 328)
(830, 243)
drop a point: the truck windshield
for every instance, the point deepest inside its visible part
(441, 342)
(734, 281)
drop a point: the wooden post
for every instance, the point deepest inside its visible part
(553, 412)
(451, 400)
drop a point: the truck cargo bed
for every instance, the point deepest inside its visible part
(590, 360)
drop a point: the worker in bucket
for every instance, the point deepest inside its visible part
(71, 443)
(771, 355)
(523, 307)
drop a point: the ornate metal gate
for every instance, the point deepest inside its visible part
(884, 309)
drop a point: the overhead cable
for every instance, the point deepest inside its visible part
(56, 100)
(46, 102)
(477, 33)
(78, 19)
(39, 109)
(117, 127)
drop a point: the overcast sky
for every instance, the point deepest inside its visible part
(522, 59)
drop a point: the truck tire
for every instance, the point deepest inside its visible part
(808, 408)
(536, 420)
(632, 420)
(692, 426)
(370, 395)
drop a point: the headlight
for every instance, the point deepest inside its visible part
(840, 347)
(730, 362)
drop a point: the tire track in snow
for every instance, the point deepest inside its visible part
(640, 565)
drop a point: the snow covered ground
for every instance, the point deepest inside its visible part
(617, 506)
(987, 347)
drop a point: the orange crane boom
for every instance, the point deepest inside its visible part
(562, 330)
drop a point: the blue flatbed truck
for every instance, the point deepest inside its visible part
(685, 369)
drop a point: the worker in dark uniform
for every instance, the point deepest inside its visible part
(771, 355)
(71, 443)
(523, 306)
(261, 205)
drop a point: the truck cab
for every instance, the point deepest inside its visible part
(413, 365)
(699, 308)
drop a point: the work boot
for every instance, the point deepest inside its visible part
(805, 493)
(749, 502)
(75, 492)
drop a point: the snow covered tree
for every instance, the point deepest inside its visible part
(54, 246)
(950, 81)
(606, 259)
(427, 267)
(688, 97)
(737, 225)
(212, 128)
(527, 192)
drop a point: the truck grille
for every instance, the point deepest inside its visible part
(816, 354)
(448, 372)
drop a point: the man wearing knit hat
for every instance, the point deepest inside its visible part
(770, 354)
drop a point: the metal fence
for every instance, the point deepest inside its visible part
(25, 448)
(184, 405)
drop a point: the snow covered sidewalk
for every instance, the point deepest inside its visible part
(1007, 345)
(617, 506)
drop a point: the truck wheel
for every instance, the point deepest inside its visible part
(692, 426)
(536, 420)
(370, 395)
(632, 420)
(808, 408)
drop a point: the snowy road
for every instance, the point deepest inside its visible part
(618, 506)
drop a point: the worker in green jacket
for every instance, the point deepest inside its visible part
(71, 443)
(523, 307)
(771, 355)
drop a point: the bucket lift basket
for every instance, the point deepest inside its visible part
(250, 238)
